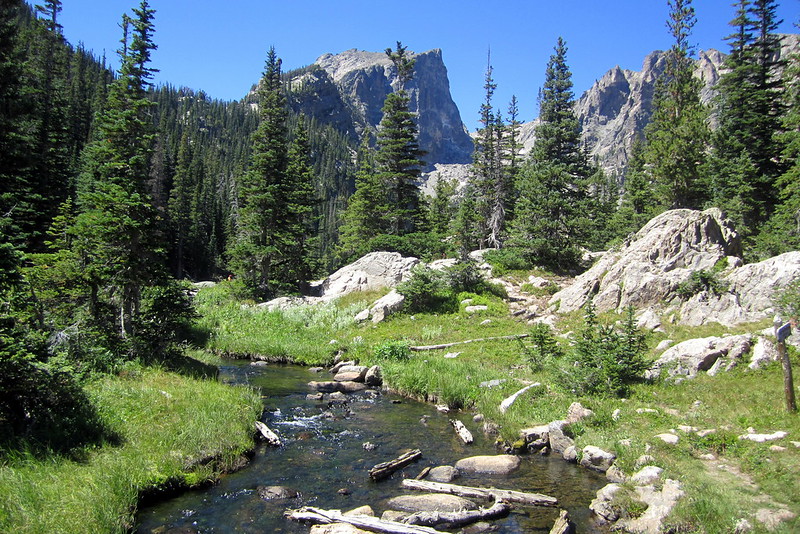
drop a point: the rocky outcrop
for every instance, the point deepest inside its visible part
(347, 90)
(687, 359)
(750, 293)
(376, 270)
(646, 270)
(597, 459)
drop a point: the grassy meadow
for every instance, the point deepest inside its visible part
(742, 479)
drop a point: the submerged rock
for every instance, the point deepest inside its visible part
(430, 502)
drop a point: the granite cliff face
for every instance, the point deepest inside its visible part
(348, 89)
(615, 110)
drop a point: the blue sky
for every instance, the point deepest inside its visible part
(220, 46)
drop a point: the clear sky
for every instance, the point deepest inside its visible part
(220, 46)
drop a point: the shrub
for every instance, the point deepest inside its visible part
(393, 351)
(506, 259)
(426, 290)
(604, 361)
(701, 280)
(789, 301)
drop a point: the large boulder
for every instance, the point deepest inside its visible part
(376, 270)
(597, 459)
(704, 354)
(647, 270)
(430, 502)
(501, 464)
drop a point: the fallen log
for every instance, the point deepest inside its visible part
(385, 469)
(506, 404)
(459, 519)
(518, 497)
(268, 435)
(448, 345)
(461, 430)
(309, 514)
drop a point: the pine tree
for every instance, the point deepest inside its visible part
(398, 158)
(485, 168)
(677, 133)
(748, 109)
(638, 203)
(114, 233)
(551, 184)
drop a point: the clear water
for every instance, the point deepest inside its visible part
(323, 453)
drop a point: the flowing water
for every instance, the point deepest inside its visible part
(324, 459)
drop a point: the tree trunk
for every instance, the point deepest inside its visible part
(458, 519)
(309, 514)
(461, 430)
(531, 499)
(385, 469)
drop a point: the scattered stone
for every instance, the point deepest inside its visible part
(706, 432)
(559, 440)
(761, 438)
(570, 454)
(615, 474)
(536, 434)
(646, 410)
(361, 510)
(772, 519)
(777, 448)
(597, 459)
(430, 502)
(576, 412)
(669, 439)
(337, 397)
(501, 464)
(343, 491)
(478, 418)
(601, 505)
(742, 526)
(795, 443)
(452, 355)
(485, 322)
(687, 429)
(316, 369)
(273, 493)
(659, 505)
(643, 460)
(315, 396)
(626, 442)
(491, 428)
(647, 476)
(443, 473)
(615, 414)
(374, 377)
(442, 408)
(708, 457)
(368, 446)
(474, 309)
(492, 383)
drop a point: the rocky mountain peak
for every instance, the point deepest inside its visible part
(348, 89)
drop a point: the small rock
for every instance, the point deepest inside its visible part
(597, 459)
(615, 474)
(316, 369)
(643, 460)
(664, 345)
(647, 476)
(478, 418)
(272, 493)
(601, 505)
(742, 527)
(473, 309)
(315, 396)
(443, 408)
(646, 410)
(368, 446)
(559, 441)
(485, 322)
(576, 412)
(393, 515)
(761, 438)
(795, 443)
(708, 457)
(443, 473)
(361, 510)
(669, 439)
(706, 432)
(343, 491)
(615, 414)
(625, 442)
(777, 448)
(452, 355)
(374, 377)
(687, 429)
(570, 454)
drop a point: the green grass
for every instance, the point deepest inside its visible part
(171, 431)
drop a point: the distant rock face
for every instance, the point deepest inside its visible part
(347, 90)
(647, 270)
(615, 110)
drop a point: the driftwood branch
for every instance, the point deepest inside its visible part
(461, 430)
(268, 435)
(518, 497)
(309, 514)
(458, 519)
(448, 345)
(385, 469)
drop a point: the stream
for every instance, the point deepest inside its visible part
(324, 459)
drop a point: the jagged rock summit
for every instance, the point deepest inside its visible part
(348, 90)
